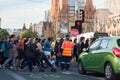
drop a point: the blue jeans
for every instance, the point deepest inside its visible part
(58, 60)
(13, 62)
(29, 61)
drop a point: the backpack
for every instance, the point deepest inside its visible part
(10, 44)
(34, 48)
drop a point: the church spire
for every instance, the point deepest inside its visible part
(89, 11)
(63, 7)
(24, 27)
(63, 4)
(89, 4)
(54, 7)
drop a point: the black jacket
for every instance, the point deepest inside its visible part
(80, 47)
(29, 51)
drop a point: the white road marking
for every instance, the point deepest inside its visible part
(66, 72)
(36, 76)
(45, 74)
(16, 76)
(89, 76)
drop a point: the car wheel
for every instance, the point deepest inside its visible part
(109, 73)
(81, 68)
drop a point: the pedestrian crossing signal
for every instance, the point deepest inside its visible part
(78, 25)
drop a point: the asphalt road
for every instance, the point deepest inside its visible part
(72, 74)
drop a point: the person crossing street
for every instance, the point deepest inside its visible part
(66, 53)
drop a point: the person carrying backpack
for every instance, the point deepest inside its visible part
(29, 53)
(12, 53)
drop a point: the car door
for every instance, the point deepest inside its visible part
(99, 55)
(89, 58)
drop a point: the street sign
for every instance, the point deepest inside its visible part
(64, 27)
(74, 32)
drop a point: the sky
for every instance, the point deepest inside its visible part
(14, 13)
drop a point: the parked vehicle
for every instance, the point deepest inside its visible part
(103, 56)
(95, 35)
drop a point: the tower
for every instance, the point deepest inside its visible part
(63, 16)
(24, 27)
(63, 9)
(54, 9)
(89, 11)
(53, 16)
(59, 16)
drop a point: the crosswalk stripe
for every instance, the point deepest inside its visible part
(16, 76)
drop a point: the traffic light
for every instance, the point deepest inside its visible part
(81, 15)
(78, 25)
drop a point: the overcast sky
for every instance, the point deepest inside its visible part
(15, 13)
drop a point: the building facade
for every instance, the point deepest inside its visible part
(60, 17)
(63, 14)
(100, 19)
(113, 24)
(89, 10)
(113, 5)
(37, 28)
(43, 29)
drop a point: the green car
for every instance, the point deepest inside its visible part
(103, 56)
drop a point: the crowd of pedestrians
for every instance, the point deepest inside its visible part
(17, 54)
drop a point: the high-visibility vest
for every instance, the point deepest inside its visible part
(67, 48)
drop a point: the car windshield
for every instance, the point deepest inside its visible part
(99, 35)
(118, 42)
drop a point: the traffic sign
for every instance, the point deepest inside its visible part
(74, 32)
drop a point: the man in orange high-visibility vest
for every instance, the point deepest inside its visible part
(66, 53)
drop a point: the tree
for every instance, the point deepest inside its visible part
(28, 33)
(3, 34)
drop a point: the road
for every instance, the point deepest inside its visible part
(72, 74)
